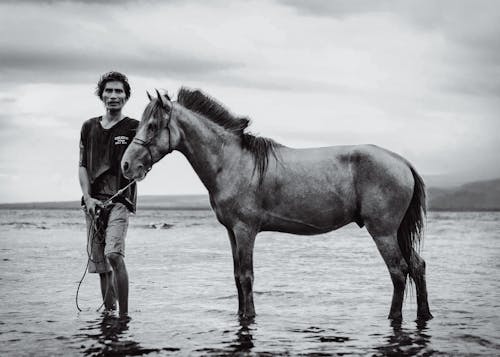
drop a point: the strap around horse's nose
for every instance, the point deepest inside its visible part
(145, 144)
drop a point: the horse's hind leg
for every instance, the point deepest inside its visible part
(398, 269)
(417, 273)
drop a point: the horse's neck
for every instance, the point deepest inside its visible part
(207, 147)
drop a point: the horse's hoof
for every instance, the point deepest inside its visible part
(396, 319)
(247, 317)
(424, 317)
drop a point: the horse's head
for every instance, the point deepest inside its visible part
(153, 139)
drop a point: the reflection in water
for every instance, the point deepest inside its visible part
(109, 337)
(244, 339)
(108, 334)
(241, 345)
(405, 342)
(400, 342)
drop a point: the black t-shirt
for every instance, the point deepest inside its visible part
(101, 152)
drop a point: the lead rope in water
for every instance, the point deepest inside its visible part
(94, 230)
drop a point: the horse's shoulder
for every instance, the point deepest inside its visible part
(230, 208)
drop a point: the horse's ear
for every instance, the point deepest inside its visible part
(163, 100)
(149, 96)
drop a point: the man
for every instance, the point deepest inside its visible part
(102, 144)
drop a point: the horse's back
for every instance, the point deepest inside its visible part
(344, 165)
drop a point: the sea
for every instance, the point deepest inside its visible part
(325, 295)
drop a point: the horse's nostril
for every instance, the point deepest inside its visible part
(125, 166)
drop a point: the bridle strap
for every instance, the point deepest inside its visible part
(147, 143)
(168, 128)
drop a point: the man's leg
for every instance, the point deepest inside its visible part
(121, 276)
(115, 252)
(99, 264)
(108, 290)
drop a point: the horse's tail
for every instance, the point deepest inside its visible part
(411, 229)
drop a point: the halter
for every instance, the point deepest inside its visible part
(147, 143)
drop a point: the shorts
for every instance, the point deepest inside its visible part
(109, 240)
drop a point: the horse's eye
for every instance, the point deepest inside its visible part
(152, 126)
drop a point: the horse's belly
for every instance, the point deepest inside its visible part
(301, 228)
(313, 218)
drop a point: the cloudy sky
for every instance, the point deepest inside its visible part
(421, 78)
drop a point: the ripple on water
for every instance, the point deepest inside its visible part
(337, 339)
(478, 340)
(109, 336)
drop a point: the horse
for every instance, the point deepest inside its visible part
(256, 184)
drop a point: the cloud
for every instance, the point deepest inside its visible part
(56, 65)
(101, 2)
(468, 33)
(59, 47)
(51, 44)
(6, 123)
(418, 77)
(7, 99)
(337, 8)
(426, 14)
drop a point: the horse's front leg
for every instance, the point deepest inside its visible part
(245, 239)
(236, 265)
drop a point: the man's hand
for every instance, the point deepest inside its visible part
(91, 204)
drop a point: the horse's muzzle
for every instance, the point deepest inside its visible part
(133, 173)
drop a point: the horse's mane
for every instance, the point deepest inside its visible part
(202, 104)
(260, 147)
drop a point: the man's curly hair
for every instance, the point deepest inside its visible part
(112, 77)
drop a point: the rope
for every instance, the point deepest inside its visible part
(79, 284)
(94, 231)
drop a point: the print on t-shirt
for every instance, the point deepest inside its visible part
(121, 140)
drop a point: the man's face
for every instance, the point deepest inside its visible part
(113, 96)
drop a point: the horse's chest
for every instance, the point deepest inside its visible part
(232, 210)
(221, 209)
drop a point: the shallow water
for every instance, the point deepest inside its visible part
(320, 295)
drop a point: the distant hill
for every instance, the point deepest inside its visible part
(474, 196)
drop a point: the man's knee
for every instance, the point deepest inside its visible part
(116, 260)
(106, 275)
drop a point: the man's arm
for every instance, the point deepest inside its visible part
(90, 203)
(84, 182)
(83, 176)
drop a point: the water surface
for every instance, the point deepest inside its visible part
(315, 295)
